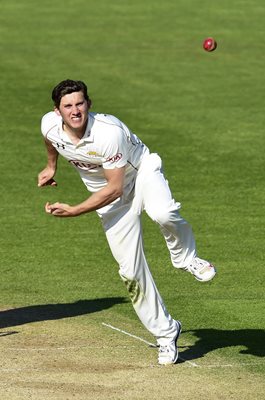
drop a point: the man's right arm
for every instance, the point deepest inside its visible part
(45, 177)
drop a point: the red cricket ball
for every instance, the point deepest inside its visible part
(209, 44)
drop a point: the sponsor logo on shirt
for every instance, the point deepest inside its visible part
(59, 145)
(83, 165)
(115, 158)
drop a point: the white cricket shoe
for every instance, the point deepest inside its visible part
(201, 269)
(168, 354)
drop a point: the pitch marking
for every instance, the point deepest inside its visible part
(129, 334)
(143, 340)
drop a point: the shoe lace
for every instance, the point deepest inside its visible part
(198, 264)
(163, 349)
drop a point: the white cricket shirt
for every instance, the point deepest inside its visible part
(106, 144)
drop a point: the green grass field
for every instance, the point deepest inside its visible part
(204, 114)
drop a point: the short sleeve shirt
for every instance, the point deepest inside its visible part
(107, 143)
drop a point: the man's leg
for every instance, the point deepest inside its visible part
(124, 235)
(152, 191)
(157, 200)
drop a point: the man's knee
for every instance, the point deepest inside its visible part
(134, 288)
(163, 216)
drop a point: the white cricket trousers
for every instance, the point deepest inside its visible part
(122, 225)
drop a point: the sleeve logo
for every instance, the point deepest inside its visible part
(115, 158)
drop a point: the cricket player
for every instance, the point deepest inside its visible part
(123, 179)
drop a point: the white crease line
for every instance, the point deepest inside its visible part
(232, 365)
(129, 334)
(50, 348)
(189, 362)
(16, 370)
(143, 340)
(43, 348)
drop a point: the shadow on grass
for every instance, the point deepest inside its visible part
(213, 339)
(45, 312)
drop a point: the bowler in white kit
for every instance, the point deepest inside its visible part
(124, 179)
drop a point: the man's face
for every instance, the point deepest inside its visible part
(74, 111)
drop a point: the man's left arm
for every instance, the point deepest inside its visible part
(105, 196)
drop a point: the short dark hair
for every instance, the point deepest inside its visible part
(66, 87)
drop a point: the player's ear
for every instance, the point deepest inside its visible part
(57, 111)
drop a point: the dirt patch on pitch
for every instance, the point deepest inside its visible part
(63, 360)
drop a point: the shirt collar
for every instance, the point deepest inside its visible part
(88, 135)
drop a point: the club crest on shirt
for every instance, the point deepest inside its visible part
(93, 154)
